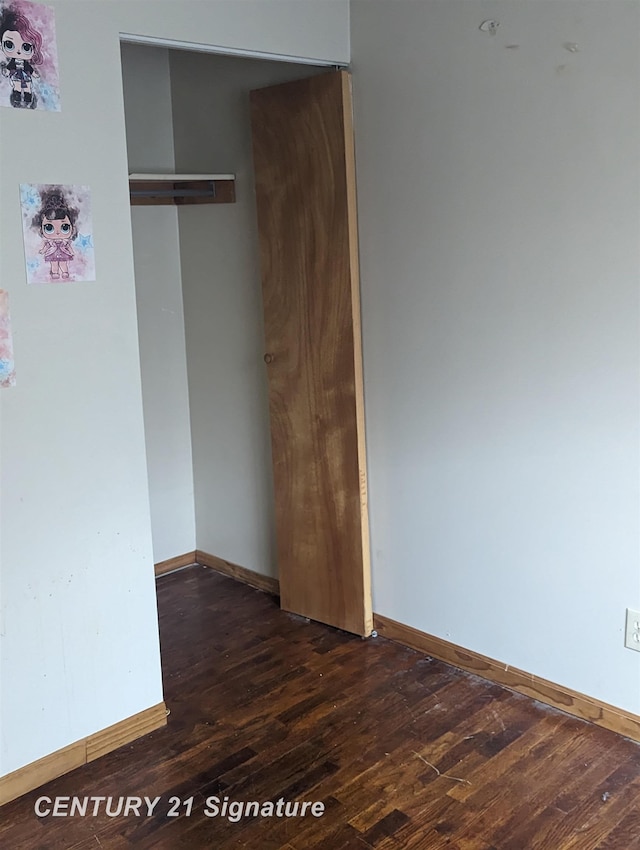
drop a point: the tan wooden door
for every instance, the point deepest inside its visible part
(305, 187)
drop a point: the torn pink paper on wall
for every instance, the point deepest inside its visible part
(7, 370)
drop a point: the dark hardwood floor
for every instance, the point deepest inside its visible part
(404, 751)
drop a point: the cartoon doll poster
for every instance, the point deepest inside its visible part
(58, 233)
(7, 372)
(28, 56)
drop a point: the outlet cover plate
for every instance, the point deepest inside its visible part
(632, 631)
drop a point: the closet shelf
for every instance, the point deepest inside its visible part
(181, 189)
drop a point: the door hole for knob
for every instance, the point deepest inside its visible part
(268, 358)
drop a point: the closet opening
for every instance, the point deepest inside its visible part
(199, 305)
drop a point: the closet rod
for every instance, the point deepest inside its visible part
(175, 193)
(179, 189)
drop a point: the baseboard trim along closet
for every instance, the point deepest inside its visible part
(171, 564)
(261, 582)
(558, 696)
(82, 752)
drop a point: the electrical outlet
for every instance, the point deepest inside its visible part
(632, 632)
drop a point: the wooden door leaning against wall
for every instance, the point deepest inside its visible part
(305, 187)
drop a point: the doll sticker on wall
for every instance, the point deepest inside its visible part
(58, 233)
(28, 56)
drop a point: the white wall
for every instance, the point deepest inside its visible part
(163, 361)
(499, 208)
(80, 646)
(223, 308)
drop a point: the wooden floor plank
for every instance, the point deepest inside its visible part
(405, 752)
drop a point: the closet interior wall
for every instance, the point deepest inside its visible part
(161, 331)
(200, 307)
